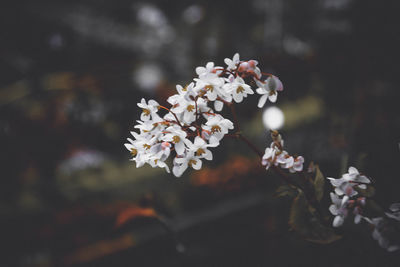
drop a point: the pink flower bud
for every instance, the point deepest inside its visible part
(165, 145)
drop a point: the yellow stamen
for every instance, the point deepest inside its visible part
(192, 162)
(200, 151)
(239, 90)
(190, 108)
(133, 152)
(146, 146)
(209, 88)
(176, 139)
(215, 128)
(146, 112)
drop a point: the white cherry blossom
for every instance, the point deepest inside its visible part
(237, 88)
(149, 110)
(232, 63)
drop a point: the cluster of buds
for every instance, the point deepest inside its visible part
(276, 156)
(192, 125)
(345, 196)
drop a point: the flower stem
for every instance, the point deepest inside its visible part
(176, 118)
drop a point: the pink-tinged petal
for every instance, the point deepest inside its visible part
(274, 83)
(262, 101)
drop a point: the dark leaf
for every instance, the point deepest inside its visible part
(319, 182)
(307, 225)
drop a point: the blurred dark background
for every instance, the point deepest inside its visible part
(73, 71)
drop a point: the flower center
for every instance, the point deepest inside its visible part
(200, 151)
(190, 108)
(146, 112)
(191, 162)
(133, 152)
(215, 128)
(240, 89)
(176, 139)
(146, 146)
(209, 88)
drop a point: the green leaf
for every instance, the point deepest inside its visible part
(319, 182)
(285, 190)
(307, 225)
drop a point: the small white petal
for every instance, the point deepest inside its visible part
(262, 101)
(338, 221)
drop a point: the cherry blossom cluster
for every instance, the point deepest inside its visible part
(275, 156)
(345, 196)
(191, 125)
(346, 200)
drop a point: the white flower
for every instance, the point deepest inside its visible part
(218, 126)
(268, 89)
(177, 137)
(297, 165)
(212, 85)
(269, 157)
(338, 209)
(199, 147)
(232, 63)
(209, 69)
(284, 160)
(148, 110)
(355, 177)
(345, 185)
(182, 163)
(250, 68)
(238, 88)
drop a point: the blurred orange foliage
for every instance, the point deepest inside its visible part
(237, 172)
(133, 212)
